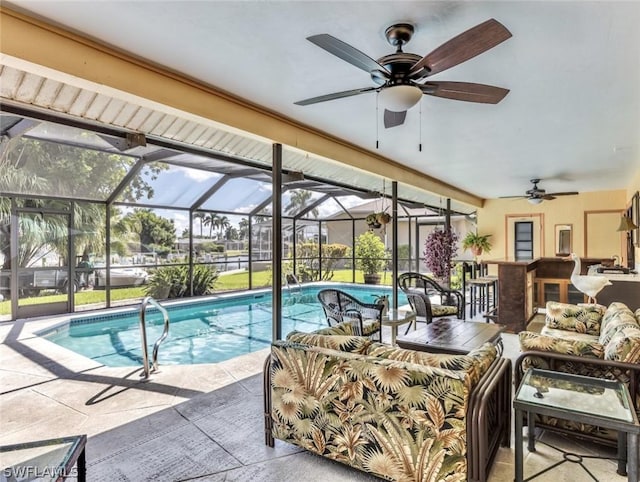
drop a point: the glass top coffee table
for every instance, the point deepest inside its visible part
(45, 460)
(593, 401)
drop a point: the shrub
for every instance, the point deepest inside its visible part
(173, 282)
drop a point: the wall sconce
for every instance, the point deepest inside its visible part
(626, 224)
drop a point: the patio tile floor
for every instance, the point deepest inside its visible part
(198, 422)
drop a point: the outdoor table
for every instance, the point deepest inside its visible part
(593, 401)
(395, 318)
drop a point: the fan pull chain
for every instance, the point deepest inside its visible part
(377, 127)
(420, 132)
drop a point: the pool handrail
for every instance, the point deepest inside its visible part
(148, 300)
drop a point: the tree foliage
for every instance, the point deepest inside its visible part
(157, 234)
(37, 167)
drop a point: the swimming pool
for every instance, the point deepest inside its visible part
(203, 331)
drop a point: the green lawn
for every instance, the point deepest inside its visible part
(81, 298)
(234, 281)
(238, 281)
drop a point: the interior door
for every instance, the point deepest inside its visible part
(43, 280)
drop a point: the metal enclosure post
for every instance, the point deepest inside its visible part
(319, 250)
(191, 252)
(276, 237)
(107, 250)
(71, 252)
(13, 249)
(394, 252)
(250, 250)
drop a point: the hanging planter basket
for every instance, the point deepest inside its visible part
(372, 221)
(383, 218)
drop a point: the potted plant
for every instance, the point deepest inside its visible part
(439, 250)
(370, 256)
(476, 243)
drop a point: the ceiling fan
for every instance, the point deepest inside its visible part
(536, 195)
(398, 76)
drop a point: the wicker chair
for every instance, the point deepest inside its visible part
(420, 288)
(341, 307)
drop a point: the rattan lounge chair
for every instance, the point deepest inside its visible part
(419, 289)
(341, 307)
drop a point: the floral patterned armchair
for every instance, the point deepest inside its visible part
(590, 340)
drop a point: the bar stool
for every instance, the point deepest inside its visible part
(482, 294)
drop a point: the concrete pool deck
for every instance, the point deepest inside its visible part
(190, 422)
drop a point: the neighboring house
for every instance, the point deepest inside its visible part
(425, 220)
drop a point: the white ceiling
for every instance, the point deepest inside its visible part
(572, 117)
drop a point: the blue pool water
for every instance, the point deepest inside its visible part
(204, 331)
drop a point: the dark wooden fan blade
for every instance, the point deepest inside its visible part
(467, 91)
(465, 46)
(335, 95)
(556, 194)
(393, 119)
(346, 52)
(512, 197)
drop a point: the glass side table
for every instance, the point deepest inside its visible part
(395, 318)
(44, 460)
(594, 401)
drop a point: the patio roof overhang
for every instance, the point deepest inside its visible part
(47, 68)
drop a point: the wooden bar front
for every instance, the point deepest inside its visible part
(516, 285)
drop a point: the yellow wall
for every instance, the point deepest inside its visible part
(492, 219)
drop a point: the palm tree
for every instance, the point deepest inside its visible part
(199, 216)
(211, 220)
(223, 224)
(243, 228)
(299, 200)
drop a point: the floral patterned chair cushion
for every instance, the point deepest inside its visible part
(443, 310)
(617, 317)
(475, 363)
(624, 345)
(351, 344)
(530, 341)
(581, 318)
(569, 335)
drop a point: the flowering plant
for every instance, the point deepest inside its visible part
(439, 250)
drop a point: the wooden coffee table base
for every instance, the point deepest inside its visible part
(451, 336)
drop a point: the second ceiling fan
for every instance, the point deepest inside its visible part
(398, 76)
(536, 195)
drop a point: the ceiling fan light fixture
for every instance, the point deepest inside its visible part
(534, 200)
(399, 98)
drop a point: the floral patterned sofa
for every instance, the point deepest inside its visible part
(398, 414)
(591, 340)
